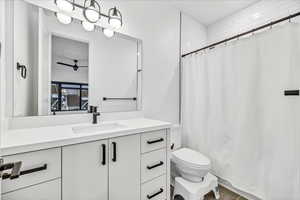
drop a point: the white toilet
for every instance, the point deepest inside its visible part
(191, 177)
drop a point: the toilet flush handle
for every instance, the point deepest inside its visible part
(172, 146)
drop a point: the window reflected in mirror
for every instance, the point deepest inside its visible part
(69, 75)
(69, 97)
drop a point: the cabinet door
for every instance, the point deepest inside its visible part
(124, 168)
(85, 171)
(44, 191)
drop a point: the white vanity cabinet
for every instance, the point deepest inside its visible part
(45, 191)
(100, 169)
(124, 168)
(155, 165)
(127, 165)
(85, 171)
(40, 177)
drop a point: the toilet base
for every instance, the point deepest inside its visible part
(196, 191)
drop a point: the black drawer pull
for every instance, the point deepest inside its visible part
(155, 141)
(291, 93)
(29, 171)
(103, 154)
(154, 166)
(155, 194)
(114, 158)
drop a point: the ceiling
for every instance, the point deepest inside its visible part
(209, 11)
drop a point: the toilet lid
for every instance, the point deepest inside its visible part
(190, 157)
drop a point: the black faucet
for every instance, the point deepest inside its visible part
(93, 110)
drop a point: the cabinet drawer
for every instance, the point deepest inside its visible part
(155, 189)
(40, 165)
(153, 165)
(45, 191)
(153, 140)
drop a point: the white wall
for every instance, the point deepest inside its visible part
(25, 52)
(193, 34)
(258, 14)
(2, 87)
(158, 26)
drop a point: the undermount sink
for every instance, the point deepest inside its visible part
(97, 128)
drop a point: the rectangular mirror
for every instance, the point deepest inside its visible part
(63, 69)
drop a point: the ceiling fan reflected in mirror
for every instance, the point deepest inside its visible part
(75, 66)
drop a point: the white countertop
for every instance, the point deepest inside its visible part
(33, 139)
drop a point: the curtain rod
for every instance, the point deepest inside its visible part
(244, 33)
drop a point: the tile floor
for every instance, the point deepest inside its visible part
(225, 195)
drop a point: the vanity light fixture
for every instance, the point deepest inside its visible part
(65, 5)
(92, 14)
(91, 11)
(63, 18)
(115, 18)
(88, 26)
(108, 32)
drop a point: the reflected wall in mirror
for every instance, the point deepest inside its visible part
(69, 75)
(69, 68)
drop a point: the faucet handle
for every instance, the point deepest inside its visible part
(91, 109)
(95, 108)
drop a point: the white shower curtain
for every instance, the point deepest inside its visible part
(235, 111)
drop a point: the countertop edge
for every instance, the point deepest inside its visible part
(7, 151)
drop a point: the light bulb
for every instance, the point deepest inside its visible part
(91, 14)
(64, 5)
(115, 23)
(88, 26)
(108, 32)
(115, 18)
(64, 19)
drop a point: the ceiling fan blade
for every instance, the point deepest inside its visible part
(83, 66)
(60, 63)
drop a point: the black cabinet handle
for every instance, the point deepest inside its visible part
(156, 165)
(103, 154)
(155, 194)
(155, 141)
(291, 93)
(114, 158)
(29, 171)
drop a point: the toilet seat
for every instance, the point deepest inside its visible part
(191, 158)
